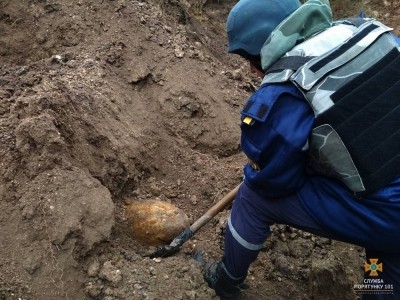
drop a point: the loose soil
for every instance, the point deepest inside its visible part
(103, 103)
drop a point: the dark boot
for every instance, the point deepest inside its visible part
(226, 287)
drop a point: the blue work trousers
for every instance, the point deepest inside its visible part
(248, 228)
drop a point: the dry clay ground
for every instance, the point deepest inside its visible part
(109, 101)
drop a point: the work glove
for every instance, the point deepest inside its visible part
(226, 287)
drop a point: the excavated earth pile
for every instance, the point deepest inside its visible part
(103, 103)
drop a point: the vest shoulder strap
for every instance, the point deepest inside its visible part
(289, 63)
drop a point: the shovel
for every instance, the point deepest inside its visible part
(186, 234)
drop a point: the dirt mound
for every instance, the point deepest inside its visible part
(106, 101)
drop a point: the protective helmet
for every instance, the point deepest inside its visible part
(250, 22)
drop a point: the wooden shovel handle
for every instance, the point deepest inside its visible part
(213, 211)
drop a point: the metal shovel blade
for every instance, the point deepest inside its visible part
(171, 249)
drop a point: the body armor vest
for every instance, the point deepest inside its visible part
(350, 76)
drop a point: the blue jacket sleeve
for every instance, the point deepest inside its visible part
(275, 139)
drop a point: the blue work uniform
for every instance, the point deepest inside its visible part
(278, 190)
